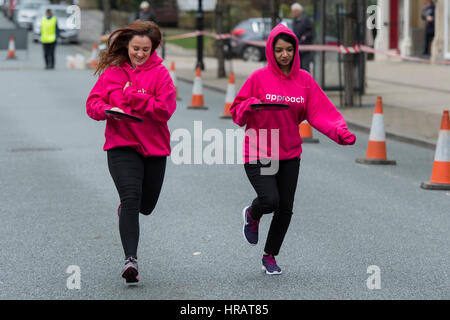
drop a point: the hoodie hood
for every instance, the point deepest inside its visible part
(272, 63)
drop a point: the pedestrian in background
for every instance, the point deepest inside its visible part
(302, 26)
(145, 13)
(428, 17)
(49, 38)
(281, 81)
(133, 80)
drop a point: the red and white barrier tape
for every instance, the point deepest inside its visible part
(355, 49)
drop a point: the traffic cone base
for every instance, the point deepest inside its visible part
(306, 134)
(435, 186)
(310, 140)
(440, 175)
(376, 161)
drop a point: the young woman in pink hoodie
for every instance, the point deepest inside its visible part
(274, 135)
(133, 80)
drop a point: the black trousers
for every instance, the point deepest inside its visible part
(49, 55)
(138, 180)
(275, 193)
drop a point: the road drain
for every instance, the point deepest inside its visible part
(34, 149)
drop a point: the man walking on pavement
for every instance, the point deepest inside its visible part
(428, 17)
(145, 13)
(49, 37)
(303, 29)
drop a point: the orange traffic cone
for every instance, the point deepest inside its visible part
(103, 42)
(440, 175)
(376, 149)
(11, 48)
(93, 61)
(229, 97)
(306, 133)
(173, 75)
(197, 92)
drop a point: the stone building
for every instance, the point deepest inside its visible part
(403, 30)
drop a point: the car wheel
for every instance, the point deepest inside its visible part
(251, 54)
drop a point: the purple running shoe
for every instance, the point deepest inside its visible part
(250, 227)
(270, 265)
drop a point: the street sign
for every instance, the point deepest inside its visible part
(189, 5)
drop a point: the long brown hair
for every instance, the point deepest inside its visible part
(116, 51)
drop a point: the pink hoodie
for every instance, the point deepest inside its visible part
(306, 101)
(151, 97)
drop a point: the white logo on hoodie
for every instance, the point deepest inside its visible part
(279, 99)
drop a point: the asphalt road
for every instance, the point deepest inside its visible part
(59, 209)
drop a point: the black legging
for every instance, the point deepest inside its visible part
(275, 194)
(138, 180)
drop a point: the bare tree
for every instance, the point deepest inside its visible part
(274, 9)
(106, 16)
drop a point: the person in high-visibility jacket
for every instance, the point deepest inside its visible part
(49, 37)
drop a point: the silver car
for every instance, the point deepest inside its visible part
(67, 30)
(26, 12)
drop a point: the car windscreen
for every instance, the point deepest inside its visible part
(61, 13)
(31, 5)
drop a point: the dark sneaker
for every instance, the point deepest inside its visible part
(250, 227)
(130, 271)
(118, 210)
(270, 265)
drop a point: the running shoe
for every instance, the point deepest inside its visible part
(250, 227)
(130, 272)
(270, 265)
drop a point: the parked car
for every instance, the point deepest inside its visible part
(68, 32)
(253, 29)
(26, 12)
(3, 5)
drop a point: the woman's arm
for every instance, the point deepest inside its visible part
(160, 106)
(96, 103)
(323, 115)
(240, 109)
